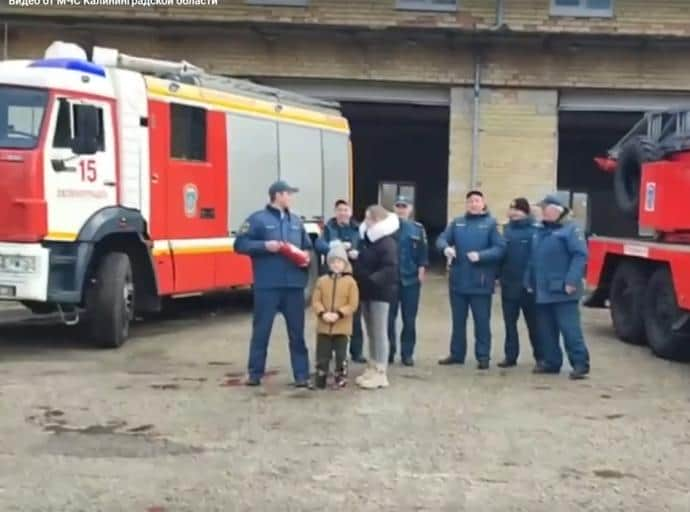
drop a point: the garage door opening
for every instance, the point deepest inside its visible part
(583, 136)
(403, 149)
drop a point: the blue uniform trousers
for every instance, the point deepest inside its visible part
(480, 305)
(511, 314)
(554, 320)
(267, 303)
(408, 305)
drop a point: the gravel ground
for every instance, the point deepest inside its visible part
(163, 425)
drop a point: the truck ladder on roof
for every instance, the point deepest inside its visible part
(184, 72)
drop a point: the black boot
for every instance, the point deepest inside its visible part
(506, 364)
(407, 361)
(447, 361)
(320, 380)
(579, 373)
(360, 359)
(483, 365)
(540, 369)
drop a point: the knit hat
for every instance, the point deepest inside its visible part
(522, 204)
(337, 252)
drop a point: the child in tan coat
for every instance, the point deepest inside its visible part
(335, 300)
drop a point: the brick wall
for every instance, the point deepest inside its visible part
(666, 17)
(517, 146)
(245, 53)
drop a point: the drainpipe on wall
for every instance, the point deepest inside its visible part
(4, 45)
(475, 120)
(499, 15)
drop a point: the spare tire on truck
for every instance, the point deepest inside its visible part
(667, 326)
(628, 176)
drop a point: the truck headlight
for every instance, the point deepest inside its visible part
(18, 264)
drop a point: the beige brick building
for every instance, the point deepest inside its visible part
(513, 96)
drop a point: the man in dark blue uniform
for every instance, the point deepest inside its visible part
(555, 276)
(414, 259)
(518, 234)
(343, 229)
(474, 249)
(278, 282)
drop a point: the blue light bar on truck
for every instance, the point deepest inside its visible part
(71, 64)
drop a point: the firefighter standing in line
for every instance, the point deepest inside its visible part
(414, 260)
(555, 276)
(518, 234)
(474, 249)
(279, 283)
(342, 228)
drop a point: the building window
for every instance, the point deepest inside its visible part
(427, 5)
(187, 133)
(284, 3)
(585, 8)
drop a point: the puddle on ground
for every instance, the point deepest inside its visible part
(605, 396)
(219, 363)
(614, 416)
(612, 473)
(542, 388)
(122, 388)
(412, 376)
(140, 429)
(165, 387)
(190, 379)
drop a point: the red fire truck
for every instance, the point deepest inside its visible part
(123, 180)
(645, 280)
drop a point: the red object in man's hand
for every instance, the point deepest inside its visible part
(295, 255)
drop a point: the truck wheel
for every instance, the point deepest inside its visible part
(313, 276)
(665, 322)
(628, 175)
(627, 294)
(110, 302)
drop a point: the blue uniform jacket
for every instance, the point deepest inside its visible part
(413, 251)
(518, 235)
(273, 270)
(467, 234)
(334, 231)
(559, 258)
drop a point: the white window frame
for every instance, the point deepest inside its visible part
(425, 5)
(582, 11)
(279, 3)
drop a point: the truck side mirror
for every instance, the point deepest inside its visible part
(86, 121)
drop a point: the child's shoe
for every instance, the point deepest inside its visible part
(340, 381)
(320, 380)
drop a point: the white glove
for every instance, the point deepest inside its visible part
(334, 243)
(449, 253)
(347, 246)
(353, 254)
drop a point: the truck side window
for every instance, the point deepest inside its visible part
(187, 132)
(63, 132)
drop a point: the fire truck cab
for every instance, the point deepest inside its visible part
(123, 180)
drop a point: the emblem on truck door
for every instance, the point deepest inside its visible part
(650, 197)
(191, 199)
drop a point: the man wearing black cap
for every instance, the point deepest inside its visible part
(555, 276)
(278, 282)
(474, 249)
(518, 234)
(413, 253)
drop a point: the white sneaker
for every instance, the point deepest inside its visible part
(368, 372)
(377, 379)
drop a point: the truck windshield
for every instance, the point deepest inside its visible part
(21, 116)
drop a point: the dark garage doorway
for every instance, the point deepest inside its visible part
(406, 145)
(583, 136)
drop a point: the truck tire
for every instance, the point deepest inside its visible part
(626, 180)
(627, 294)
(110, 301)
(313, 275)
(665, 323)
